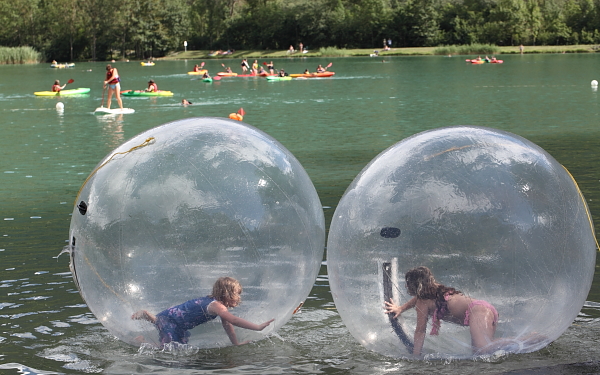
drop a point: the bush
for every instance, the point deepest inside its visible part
(469, 49)
(333, 52)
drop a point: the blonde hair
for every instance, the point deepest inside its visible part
(226, 289)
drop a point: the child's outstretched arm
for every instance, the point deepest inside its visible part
(229, 320)
(392, 308)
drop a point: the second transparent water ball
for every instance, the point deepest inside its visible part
(489, 212)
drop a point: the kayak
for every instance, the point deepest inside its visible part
(200, 72)
(65, 65)
(63, 92)
(226, 74)
(207, 80)
(146, 93)
(313, 75)
(147, 63)
(475, 61)
(287, 78)
(113, 111)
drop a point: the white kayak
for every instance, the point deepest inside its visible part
(116, 111)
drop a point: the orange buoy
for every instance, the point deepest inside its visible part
(236, 116)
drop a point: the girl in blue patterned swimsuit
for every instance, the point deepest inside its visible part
(173, 323)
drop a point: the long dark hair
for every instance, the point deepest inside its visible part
(421, 283)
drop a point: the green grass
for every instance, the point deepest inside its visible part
(481, 49)
(19, 55)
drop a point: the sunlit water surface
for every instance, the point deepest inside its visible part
(334, 126)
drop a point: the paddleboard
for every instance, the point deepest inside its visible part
(113, 111)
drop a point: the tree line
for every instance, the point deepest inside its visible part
(69, 30)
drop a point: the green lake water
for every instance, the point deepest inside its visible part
(334, 126)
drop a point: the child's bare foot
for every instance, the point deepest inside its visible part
(143, 315)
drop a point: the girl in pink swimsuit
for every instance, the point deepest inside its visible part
(431, 298)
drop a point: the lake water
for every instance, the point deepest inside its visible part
(334, 126)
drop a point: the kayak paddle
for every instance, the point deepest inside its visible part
(70, 81)
(241, 112)
(216, 78)
(202, 65)
(329, 65)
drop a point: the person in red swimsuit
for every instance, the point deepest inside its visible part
(152, 87)
(57, 87)
(114, 87)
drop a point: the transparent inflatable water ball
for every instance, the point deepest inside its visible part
(489, 213)
(178, 206)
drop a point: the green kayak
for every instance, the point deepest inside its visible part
(277, 78)
(63, 92)
(146, 93)
(207, 80)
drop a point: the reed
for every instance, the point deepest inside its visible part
(19, 55)
(469, 49)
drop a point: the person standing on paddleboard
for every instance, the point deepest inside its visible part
(112, 80)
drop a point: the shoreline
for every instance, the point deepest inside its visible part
(408, 51)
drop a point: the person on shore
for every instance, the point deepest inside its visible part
(291, 49)
(521, 49)
(57, 87)
(431, 298)
(174, 323)
(114, 87)
(152, 86)
(301, 47)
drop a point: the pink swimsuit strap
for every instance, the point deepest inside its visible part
(482, 303)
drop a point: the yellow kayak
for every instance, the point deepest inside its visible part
(147, 63)
(200, 72)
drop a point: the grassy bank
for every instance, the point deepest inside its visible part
(413, 51)
(19, 55)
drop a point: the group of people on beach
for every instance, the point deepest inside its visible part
(429, 299)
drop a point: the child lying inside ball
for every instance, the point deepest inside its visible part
(445, 303)
(173, 323)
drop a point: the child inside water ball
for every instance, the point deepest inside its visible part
(446, 303)
(173, 323)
